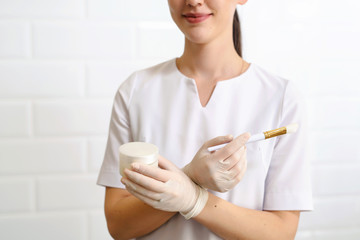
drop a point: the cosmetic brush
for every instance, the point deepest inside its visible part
(291, 128)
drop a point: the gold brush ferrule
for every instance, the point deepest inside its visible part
(275, 132)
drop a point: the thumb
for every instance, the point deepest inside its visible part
(166, 164)
(218, 140)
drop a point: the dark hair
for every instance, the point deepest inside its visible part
(237, 34)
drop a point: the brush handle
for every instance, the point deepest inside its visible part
(265, 135)
(253, 138)
(256, 137)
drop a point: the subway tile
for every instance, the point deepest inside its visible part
(16, 194)
(69, 193)
(104, 79)
(55, 226)
(336, 234)
(159, 40)
(14, 118)
(334, 147)
(42, 8)
(77, 117)
(46, 79)
(31, 156)
(79, 40)
(129, 10)
(332, 212)
(336, 179)
(15, 39)
(334, 113)
(98, 227)
(331, 80)
(96, 151)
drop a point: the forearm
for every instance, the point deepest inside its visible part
(128, 217)
(233, 222)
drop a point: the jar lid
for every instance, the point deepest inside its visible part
(139, 150)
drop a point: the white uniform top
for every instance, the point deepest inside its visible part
(160, 105)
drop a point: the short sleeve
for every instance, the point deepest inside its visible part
(119, 133)
(288, 183)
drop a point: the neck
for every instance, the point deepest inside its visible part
(215, 61)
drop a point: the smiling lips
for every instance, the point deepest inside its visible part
(196, 17)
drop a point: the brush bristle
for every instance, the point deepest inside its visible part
(291, 128)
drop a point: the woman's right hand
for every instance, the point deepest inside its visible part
(220, 170)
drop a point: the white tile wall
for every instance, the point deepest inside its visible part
(98, 227)
(105, 78)
(61, 62)
(66, 117)
(83, 40)
(348, 234)
(51, 225)
(342, 182)
(96, 150)
(42, 155)
(42, 8)
(16, 194)
(17, 43)
(334, 147)
(58, 79)
(151, 40)
(334, 113)
(336, 211)
(84, 192)
(15, 118)
(126, 11)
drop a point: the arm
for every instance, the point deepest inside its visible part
(128, 217)
(233, 222)
(225, 219)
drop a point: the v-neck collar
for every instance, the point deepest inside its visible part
(218, 84)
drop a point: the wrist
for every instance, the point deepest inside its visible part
(187, 171)
(201, 200)
(190, 173)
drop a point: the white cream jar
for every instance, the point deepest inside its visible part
(141, 152)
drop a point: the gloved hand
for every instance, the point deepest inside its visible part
(166, 188)
(220, 170)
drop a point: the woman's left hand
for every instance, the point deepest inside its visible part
(166, 188)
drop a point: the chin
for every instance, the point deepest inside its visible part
(198, 37)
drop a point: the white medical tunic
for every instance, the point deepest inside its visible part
(160, 105)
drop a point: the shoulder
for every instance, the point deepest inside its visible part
(162, 68)
(154, 71)
(143, 79)
(269, 79)
(274, 83)
(149, 74)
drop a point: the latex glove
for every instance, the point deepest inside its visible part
(166, 188)
(220, 170)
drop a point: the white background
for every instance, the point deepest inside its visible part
(61, 62)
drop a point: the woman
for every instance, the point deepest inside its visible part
(238, 192)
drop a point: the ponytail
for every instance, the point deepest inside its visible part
(237, 34)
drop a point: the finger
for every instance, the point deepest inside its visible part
(141, 190)
(237, 169)
(241, 158)
(151, 171)
(231, 147)
(218, 140)
(241, 166)
(167, 165)
(145, 181)
(149, 201)
(242, 172)
(234, 159)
